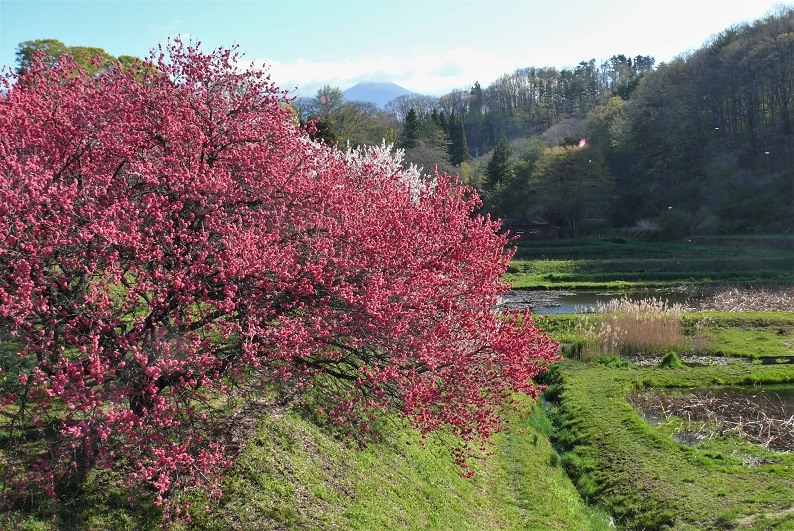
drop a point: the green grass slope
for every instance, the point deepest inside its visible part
(295, 474)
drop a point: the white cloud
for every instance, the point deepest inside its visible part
(558, 35)
(424, 72)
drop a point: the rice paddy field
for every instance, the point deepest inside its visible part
(619, 263)
(676, 415)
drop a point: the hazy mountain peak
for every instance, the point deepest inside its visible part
(378, 92)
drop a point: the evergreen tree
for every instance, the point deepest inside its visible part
(458, 147)
(410, 131)
(499, 168)
(435, 117)
(443, 123)
(475, 99)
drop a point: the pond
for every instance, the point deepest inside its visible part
(559, 301)
(690, 298)
(760, 414)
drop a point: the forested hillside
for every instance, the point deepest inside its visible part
(702, 144)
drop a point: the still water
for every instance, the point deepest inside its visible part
(556, 302)
(760, 414)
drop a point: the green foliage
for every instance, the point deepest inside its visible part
(532, 153)
(53, 49)
(743, 203)
(708, 132)
(347, 123)
(615, 362)
(499, 168)
(513, 196)
(327, 102)
(674, 224)
(363, 124)
(471, 175)
(458, 146)
(571, 184)
(410, 131)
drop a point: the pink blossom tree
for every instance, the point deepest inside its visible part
(169, 235)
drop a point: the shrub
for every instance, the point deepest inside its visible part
(615, 362)
(671, 361)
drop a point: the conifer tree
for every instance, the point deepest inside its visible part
(499, 168)
(410, 131)
(458, 147)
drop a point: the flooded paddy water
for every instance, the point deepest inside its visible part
(762, 415)
(560, 301)
(690, 298)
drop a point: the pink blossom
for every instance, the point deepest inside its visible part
(167, 232)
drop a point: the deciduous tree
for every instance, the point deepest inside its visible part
(169, 236)
(571, 184)
(90, 59)
(52, 50)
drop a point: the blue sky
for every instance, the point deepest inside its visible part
(429, 46)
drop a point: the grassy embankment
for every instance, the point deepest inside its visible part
(295, 474)
(648, 480)
(298, 476)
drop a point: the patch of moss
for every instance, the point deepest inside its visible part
(671, 361)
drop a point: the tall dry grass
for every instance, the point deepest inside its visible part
(624, 325)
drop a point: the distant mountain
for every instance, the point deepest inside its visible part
(378, 93)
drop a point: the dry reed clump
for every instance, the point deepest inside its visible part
(624, 324)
